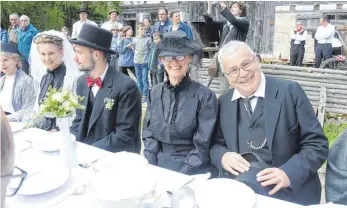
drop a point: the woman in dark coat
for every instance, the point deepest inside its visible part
(181, 113)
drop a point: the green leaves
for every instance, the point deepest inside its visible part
(60, 103)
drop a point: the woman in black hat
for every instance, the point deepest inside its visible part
(17, 92)
(181, 113)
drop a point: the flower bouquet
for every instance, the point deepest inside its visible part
(62, 104)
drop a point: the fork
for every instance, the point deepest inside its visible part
(87, 165)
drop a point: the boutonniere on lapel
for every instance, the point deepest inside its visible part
(108, 103)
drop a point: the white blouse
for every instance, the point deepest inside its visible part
(6, 94)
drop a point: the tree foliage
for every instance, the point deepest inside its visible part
(46, 15)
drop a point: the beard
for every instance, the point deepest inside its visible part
(90, 67)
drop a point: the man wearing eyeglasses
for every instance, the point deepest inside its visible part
(274, 120)
(163, 25)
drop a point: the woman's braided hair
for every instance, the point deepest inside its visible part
(44, 38)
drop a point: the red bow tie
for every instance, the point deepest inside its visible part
(91, 81)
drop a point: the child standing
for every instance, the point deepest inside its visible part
(114, 57)
(142, 46)
(157, 72)
(126, 54)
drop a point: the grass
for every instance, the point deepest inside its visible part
(332, 131)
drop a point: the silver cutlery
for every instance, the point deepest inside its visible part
(87, 164)
(77, 192)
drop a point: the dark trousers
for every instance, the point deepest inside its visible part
(157, 77)
(337, 51)
(124, 70)
(323, 52)
(297, 52)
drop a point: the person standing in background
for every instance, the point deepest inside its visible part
(297, 44)
(324, 36)
(76, 28)
(113, 17)
(25, 35)
(163, 25)
(12, 30)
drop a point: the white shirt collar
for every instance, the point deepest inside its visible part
(260, 92)
(104, 74)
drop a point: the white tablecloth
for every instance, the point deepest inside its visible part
(167, 180)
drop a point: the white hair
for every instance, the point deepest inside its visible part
(14, 14)
(230, 48)
(24, 17)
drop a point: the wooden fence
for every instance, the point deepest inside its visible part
(326, 88)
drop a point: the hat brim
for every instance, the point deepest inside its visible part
(83, 11)
(172, 53)
(112, 12)
(79, 41)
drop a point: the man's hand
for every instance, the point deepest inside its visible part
(222, 4)
(235, 163)
(273, 176)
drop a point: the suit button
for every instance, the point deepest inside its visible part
(105, 129)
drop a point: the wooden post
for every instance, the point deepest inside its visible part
(322, 105)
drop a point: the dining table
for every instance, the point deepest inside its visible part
(64, 196)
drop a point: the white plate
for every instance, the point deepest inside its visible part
(121, 160)
(16, 126)
(123, 184)
(44, 181)
(222, 192)
(51, 143)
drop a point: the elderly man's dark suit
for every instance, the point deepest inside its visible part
(296, 141)
(112, 130)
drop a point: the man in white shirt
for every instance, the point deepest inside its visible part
(337, 44)
(113, 16)
(324, 36)
(297, 44)
(76, 29)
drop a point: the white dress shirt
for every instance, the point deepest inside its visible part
(76, 28)
(298, 37)
(107, 25)
(260, 92)
(95, 88)
(325, 34)
(6, 94)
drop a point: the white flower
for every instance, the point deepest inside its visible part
(74, 100)
(109, 103)
(58, 97)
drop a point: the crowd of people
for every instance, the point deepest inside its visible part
(259, 120)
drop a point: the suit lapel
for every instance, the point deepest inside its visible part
(86, 93)
(272, 108)
(230, 124)
(103, 93)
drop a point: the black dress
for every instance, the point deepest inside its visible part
(178, 126)
(55, 79)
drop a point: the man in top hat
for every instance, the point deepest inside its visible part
(297, 44)
(76, 28)
(113, 16)
(111, 119)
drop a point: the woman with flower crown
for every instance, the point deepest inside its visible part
(52, 65)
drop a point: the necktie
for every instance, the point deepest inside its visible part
(248, 106)
(91, 81)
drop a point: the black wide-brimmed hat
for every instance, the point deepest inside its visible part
(92, 36)
(83, 9)
(176, 43)
(9, 48)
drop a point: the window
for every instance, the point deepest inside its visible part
(342, 16)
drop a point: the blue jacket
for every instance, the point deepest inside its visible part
(24, 39)
(126, 55)
(162, 28)
(151, 59)
(185, 28)
(3, 35)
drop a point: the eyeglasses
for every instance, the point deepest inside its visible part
(16, 180)
(246, 65)
(171, 58)
(161, 14)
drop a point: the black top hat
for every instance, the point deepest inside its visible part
(9, 48)
(113, 10)
(83, 9)
(92, 36)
